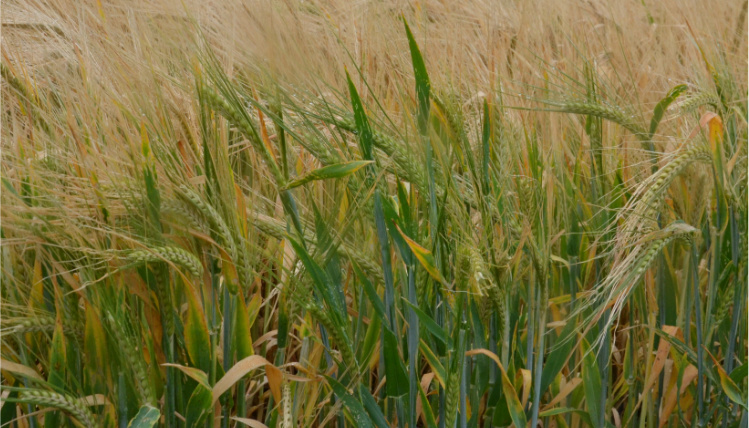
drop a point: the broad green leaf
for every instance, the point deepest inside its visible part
(486, 135)
(371, 293)
(397, 379)
(434, 328)
(199, 407)
(370, 405)
(366, 351)
(427, 409)
(94, 339)
(338, 170)
(147, 417)
(57, 369)
(513, 403)
(57, 358)
(355, 408)
(434, 363)
(591, 382)
(559, 355)
(253, 308)
(387, 272)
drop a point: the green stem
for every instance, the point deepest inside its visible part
(537, 371)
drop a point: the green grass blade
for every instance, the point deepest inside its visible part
(662, 106)
(422, 80)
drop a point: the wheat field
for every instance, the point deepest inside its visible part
(379, 213)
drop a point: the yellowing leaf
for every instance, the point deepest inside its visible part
(19, 369)
(197, 339)
(196, 374)
(242, 333)
(424, 257)
(275, 379)
(238, 372)
(94, 339)
(250, 422)
(513, 404)
(732, 391)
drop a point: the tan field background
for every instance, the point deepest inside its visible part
(124, 50)
(469, 44)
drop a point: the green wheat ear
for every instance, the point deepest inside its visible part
(74, 406)
(176, 255)
(613, 292)
(41, 324)
(613, 114)
(640, 213)
(697, 100)
(134, 358)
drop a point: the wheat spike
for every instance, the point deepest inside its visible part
(176, 255)
(180, 211)
(698, 100)
(43, 324)
(627, 271)
(276, 229)
(237, 256)
(247, 129)
(452, 394)
(339, 336)
(134, 359)
(641, 210)
(612, 114)
(74, 406)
